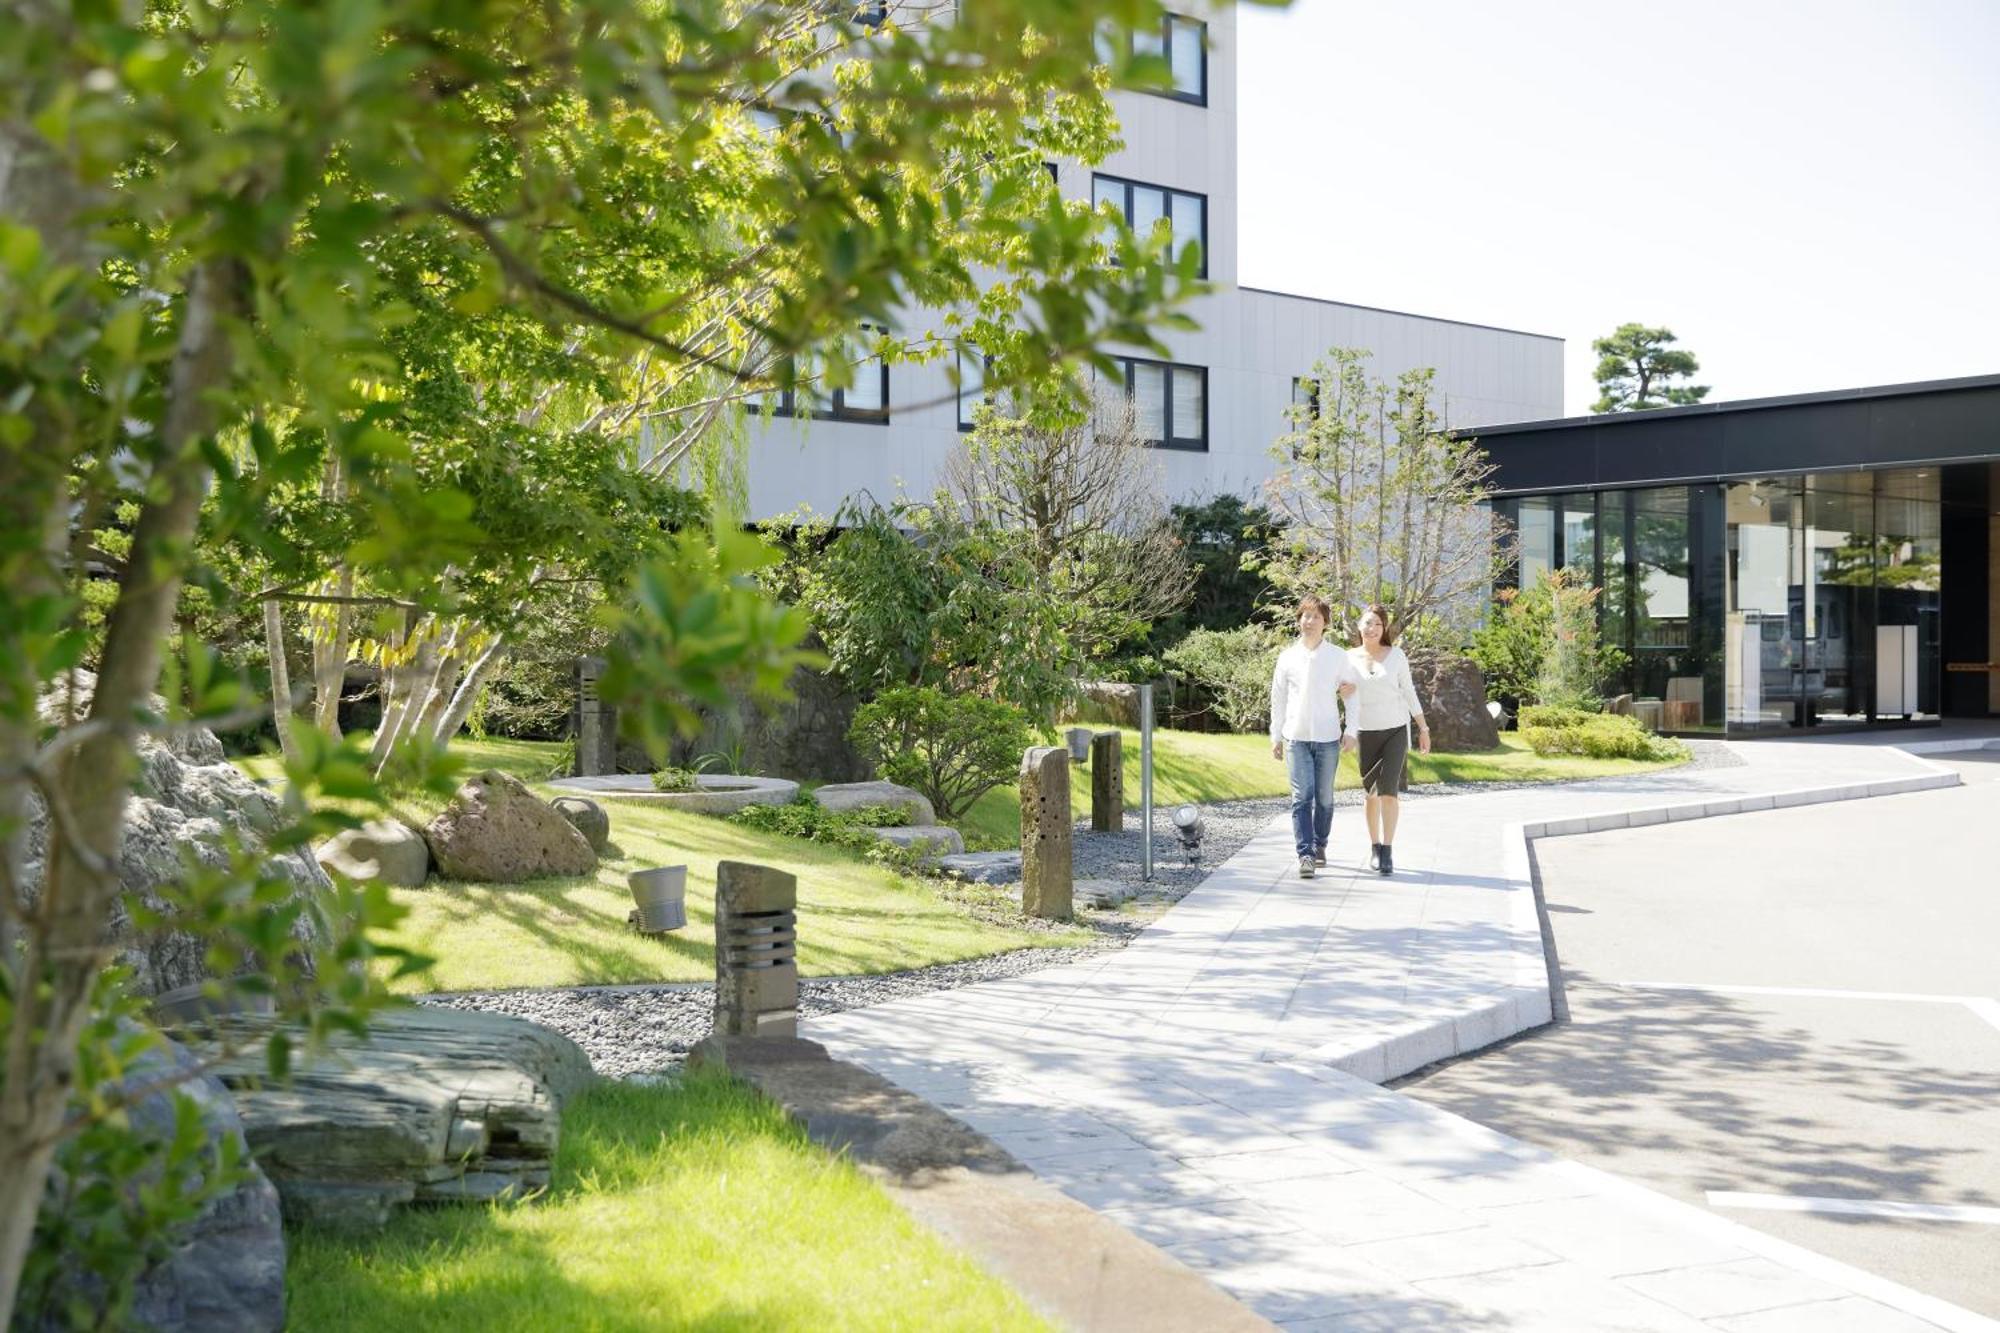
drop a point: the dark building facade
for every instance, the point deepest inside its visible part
(1777, 564)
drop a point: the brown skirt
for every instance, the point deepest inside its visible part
(1383, 772)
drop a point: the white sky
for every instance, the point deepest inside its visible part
(1807, 192)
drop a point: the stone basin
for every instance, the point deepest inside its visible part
(714, 793)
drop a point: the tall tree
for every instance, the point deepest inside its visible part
(391, 262)
(1638, 368)
(1379, 503)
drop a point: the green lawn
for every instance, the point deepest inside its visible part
(695, 1206)
(854, 916)
(1217, 766)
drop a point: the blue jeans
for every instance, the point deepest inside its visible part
(1311, 765)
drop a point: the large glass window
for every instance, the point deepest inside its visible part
(864, 398)
(1536, 525)
(1183, 43)
(1169, 403)
(1662, 590)
(1145, 206)
(972, 368)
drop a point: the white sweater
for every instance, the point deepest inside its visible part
(1387, 697)
(1305, 693)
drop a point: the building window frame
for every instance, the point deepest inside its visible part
(969, 401)
(834, 407)
(1198, 96)
(1125, 187)
(1170, 436)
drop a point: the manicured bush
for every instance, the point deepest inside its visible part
(1234, 667)
(1555, 731)
(952, 748)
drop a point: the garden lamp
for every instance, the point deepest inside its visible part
(1189, 825)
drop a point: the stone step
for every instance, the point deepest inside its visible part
(937, 839)
(1002, 867)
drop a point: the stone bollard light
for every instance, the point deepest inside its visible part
(1047, 869)
(756, 938)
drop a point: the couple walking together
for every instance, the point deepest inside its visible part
(1314, 681)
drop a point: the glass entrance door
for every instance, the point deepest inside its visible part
(1764, 672)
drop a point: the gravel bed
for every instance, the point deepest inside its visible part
(643, 1030)
(633, 1030)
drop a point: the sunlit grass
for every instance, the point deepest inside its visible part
(1217, 766)
(690, 1206)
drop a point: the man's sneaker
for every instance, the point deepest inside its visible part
(1305, 867)
(1319, 857)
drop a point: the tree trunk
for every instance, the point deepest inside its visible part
(331, 646)
(469, 685)
(62, 955)
(281, 679)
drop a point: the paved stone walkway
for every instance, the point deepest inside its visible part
(1212, 1086)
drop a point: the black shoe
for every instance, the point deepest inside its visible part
(1387, 863)
(1374, 856)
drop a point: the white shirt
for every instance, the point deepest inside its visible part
(1305, 692)
(1386, 696)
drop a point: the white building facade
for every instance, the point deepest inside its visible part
(1218, 400)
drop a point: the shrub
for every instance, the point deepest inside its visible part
(953, 749)
(675, 779)
(803, 817)
(1556, 731)
(1234, 667)
(1541, 644)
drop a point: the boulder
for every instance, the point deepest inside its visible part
(588, 817)
(187, 803)
(384, 849)
(1453, 693)
(1108, 701)
(497, 831)
(435, 1106)
(930, 839)
(226, 1268)
(843, 796)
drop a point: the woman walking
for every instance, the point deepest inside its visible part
(1386, 702)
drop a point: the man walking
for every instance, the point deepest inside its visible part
(1311, 678)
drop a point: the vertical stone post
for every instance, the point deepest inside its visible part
(756, 968)
(1107, 783)
(1046, 865)
(594, 724)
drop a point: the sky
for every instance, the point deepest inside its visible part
(1807, 192)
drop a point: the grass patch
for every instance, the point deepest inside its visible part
(1218, 766)
(529, 761)
(695, 1205)
(855, 916)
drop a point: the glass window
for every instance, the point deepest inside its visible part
(865, 399)
(1169, 403)
(1579, 536)
(1144, 206)
(1185, 42)
(1537, 539)
(1149, 399)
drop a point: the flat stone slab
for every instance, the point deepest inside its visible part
(939, 839)
(983, 867)
(1102, 893)
(845, 796)
(714, 793)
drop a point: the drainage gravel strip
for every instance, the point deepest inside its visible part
(639, 1030)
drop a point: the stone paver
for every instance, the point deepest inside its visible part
(1212, 1086)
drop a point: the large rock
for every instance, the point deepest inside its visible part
(497, 831)
(845, 796)
(1454, 697)
(382, 849)
(588, 817)
(436, 1105)
(226, 1268)
(187, 803)
(1108, 701)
